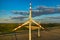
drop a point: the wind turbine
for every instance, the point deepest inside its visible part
(30, 23)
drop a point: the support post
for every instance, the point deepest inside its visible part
(15, 36)
(39, 32)
(30, 31)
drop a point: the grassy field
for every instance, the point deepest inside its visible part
(53, 32)
(8, 27)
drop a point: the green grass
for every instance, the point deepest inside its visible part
(8, 27)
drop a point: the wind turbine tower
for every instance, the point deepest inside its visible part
(30, 21)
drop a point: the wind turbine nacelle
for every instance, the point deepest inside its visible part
(32, 27)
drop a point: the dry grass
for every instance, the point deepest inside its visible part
(53, 34)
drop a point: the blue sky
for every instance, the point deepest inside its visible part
(24, 4)
(8, 8)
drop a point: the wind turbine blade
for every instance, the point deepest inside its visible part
(21, 26)
(37, 24)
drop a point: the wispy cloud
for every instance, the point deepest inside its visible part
(49, 9)
(58, 17)
(40, 10)
(19, 17)
(37, 13)
(52, 18)
(20, 12)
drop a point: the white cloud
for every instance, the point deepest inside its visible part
(53, 18)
